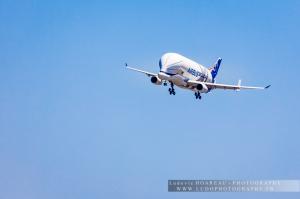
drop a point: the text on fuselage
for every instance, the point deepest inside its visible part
(196, 73)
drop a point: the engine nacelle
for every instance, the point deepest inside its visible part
(202, 88)
(156, 80)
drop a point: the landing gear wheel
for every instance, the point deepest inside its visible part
(197, 95)
(171, 90)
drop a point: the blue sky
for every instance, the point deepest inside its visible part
(75, 124)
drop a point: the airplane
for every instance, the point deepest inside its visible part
(188, 74)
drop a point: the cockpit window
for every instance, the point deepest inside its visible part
(160, 65)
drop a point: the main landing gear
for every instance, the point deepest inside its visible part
(172, 90)
(197, 95)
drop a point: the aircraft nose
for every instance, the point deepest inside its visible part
(163, 61)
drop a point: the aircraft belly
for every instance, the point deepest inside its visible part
(179, 80)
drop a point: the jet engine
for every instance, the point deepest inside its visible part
(156, 80)
(202, 88)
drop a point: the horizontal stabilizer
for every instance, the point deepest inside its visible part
(267, 86)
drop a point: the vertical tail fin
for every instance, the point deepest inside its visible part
(214, 69)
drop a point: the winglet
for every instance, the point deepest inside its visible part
(126, 64)
(239, 84)
(267, 87)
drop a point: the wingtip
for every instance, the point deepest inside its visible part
(267, 87)
(126, 64)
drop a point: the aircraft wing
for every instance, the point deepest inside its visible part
(226, 86)
(149, 74)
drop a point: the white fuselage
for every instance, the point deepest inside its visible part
(179, 69)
